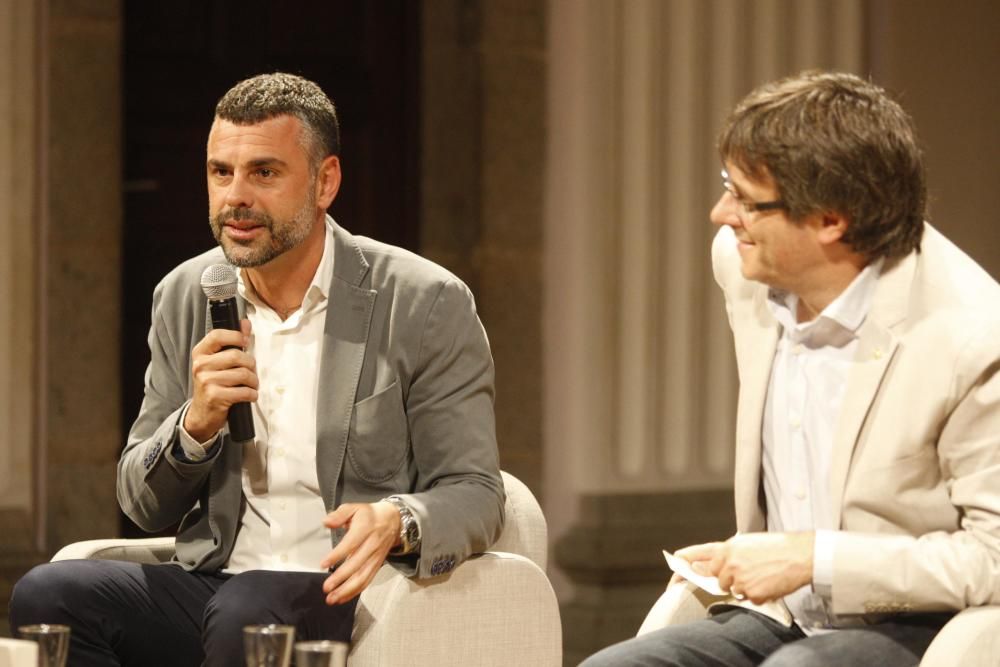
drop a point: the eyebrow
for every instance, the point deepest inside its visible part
(256, 163)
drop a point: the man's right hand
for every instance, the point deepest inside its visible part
(221, 378)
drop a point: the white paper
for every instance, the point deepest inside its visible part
(705, 582)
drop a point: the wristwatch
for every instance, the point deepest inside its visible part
(409, 530)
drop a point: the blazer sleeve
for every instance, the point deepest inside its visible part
(156, 489)
(941, 570)
(449, 406)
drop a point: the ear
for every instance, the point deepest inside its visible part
(832, 227)
(327, 181)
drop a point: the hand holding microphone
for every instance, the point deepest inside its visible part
(225, 377)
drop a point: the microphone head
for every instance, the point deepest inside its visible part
(219, 282)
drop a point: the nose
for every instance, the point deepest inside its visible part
(239, 193)
(725, 212)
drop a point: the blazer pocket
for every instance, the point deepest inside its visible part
(379, 439)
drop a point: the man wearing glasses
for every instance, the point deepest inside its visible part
(868, 430)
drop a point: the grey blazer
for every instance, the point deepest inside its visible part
(405, 407)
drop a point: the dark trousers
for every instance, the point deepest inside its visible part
(152, 615)
(743, 638)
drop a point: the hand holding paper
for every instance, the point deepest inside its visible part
(705, 582)
(760, 566)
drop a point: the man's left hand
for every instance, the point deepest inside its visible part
(372, 530)
(759, 566)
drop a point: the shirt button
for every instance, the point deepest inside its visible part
(282, 505)
(279, 452)
(800, 494)
(284, 558)
(794, 422)
(280, 389)
(797, 349)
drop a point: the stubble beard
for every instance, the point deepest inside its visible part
(280, 237)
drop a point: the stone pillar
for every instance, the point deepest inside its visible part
(20, 160)
(482, 171)
(82, 348)
(640, 382)
(60, 225)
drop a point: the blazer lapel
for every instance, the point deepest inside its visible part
(756, 340)
(348, 319)
(877, 346)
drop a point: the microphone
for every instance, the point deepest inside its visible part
(219, 284)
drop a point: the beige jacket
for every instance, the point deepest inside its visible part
(915, 472)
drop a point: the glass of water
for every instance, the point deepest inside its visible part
(321, 654)
(52, 640)
(268, 645)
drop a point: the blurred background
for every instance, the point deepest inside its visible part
(558, 155)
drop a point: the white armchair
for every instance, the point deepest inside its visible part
(970, 639)
(497, 608)
(18, 653)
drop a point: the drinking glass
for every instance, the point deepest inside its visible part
(268, 645)
(52, 640)
(322, 653)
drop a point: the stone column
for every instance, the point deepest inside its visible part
(21, 504)
(482, 172)
(640, 382)
(19, 248)
(60, 226)
(82, 243)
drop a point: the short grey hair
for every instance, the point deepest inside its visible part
(266, 96)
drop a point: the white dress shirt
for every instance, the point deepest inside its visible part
(281, 526)
(809, 375)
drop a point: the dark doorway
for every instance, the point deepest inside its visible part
(181, 56)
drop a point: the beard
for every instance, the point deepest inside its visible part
(281, 236)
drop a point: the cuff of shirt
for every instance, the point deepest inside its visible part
(823, 548)
(193, 450)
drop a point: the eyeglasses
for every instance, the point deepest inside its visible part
(749, 206)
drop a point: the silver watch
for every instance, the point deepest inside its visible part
(409, 530)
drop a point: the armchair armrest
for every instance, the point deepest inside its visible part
(149, 550)
(18, 653)
(495, 609)
(971, 639)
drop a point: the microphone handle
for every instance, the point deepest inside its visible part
(226, 316)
